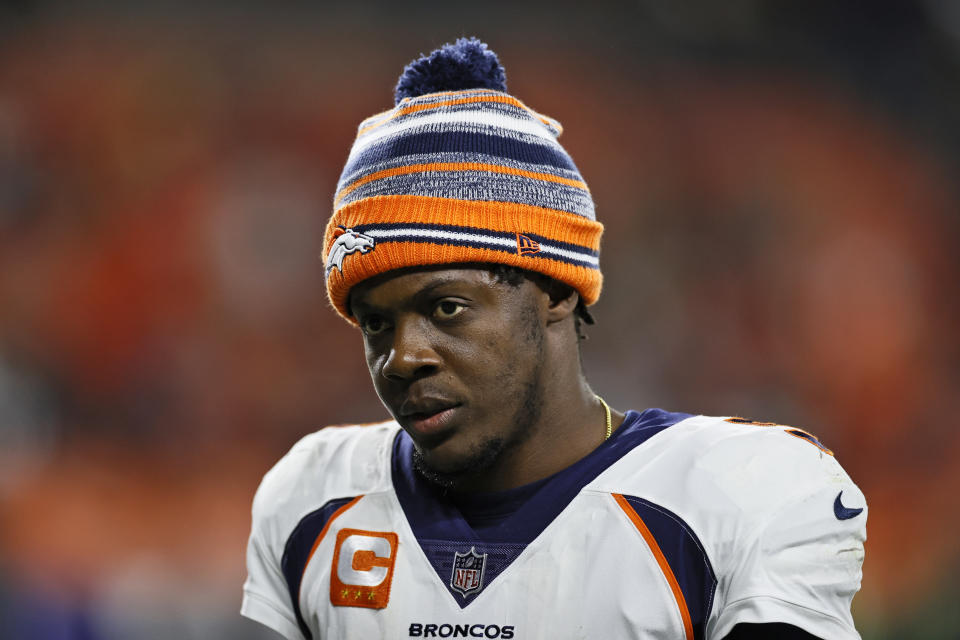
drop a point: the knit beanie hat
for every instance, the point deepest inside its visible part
(459, 171)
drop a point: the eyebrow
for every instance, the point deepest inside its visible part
(438, 281)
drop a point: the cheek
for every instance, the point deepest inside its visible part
(481, 351)
(493, 364)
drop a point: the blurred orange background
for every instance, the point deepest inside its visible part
(778, 184)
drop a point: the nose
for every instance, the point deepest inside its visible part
(411, 354)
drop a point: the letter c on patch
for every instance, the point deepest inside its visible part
(362, 568)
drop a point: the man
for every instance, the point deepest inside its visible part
(506, 499)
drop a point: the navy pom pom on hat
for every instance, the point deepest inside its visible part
(466, 64)
(460, 171)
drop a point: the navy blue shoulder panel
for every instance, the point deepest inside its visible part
(686, 557)
(296, 553)
(442, 531)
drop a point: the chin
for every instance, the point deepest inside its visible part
(450, 470)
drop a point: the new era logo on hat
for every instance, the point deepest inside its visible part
(527, 246)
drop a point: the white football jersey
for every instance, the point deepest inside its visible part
(678, 526)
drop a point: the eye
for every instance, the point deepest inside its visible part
(447, 309)
(373, 325)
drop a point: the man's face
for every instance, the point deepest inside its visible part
(456, 356)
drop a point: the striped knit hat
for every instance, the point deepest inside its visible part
(459, 171)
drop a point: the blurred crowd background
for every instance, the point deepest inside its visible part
(779, 186)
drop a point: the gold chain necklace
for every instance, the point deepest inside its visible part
(606, 409)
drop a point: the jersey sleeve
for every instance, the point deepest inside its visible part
(800, 562)
(264, 592)
(265, 596)
(329, 464)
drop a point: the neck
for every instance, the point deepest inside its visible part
(570, 425)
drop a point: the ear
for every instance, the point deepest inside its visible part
(562, 307)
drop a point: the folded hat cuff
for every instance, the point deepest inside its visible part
(375, 235)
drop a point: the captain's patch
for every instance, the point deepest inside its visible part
(362, 568)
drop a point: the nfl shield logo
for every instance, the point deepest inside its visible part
(468, 571)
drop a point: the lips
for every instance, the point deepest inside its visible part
(424, 406)
(427, 416)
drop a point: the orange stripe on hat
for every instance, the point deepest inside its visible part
(458, 92)
(402, 255)
(506, 217)
(456, 166)
(509, 217)
(661, 560)
(494, 97)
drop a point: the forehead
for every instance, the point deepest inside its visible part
(395, 287)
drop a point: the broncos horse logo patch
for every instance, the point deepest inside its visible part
(349, 241)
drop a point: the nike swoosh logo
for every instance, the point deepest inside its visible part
(842, 512)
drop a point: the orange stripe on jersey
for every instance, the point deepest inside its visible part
(808, 437)
(661, 560)
(792, 431)
(457, 166)
(316, 543)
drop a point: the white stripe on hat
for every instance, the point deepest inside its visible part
(546, 248)
(466, 116)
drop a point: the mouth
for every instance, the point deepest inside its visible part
(427, 418)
